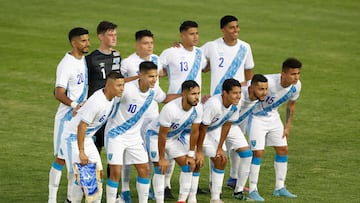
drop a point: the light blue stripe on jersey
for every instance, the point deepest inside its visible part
(232, 69)
(224, 119)
(85, 90)
(91, 130)
(154, 59)
(278, 102)
(187, 122)
(118, 130)
(246, 114)
(195, 68)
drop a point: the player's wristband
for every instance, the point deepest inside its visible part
(191, 153)
(73, 104)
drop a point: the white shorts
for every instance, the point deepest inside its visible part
(122, 150)
(211, 143)
(60, 123)
(174, 147)
(235, 139)
(70, 148)
(266, 131)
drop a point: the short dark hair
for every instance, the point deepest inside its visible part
(229, 84)
(187, 25)
(188, 85)
(147, 65)
(114, 75)
(105, 26)
(258, 78)
(291, 63)
(77, 31)
(143, 33)
(227, 19)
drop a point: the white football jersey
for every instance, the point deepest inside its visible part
(182, 65)
(227, 62)
(172, 115)
(71, 74)
(216, 114)
(94, 112)
(277, 95)
(127, 118)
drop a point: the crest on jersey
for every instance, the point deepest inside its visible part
(253, 143)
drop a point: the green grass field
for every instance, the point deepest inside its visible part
(324, 144)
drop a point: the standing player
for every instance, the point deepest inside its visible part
(71, 91)
(130, 69)
(181, 64)
(266, 129)
(123, 141)
(77, 142)
(168, 138)
(251, 98)
(219, 111)
(100, 63)
(229, 57)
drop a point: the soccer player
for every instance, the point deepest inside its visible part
(228, 57)
(251, 98)
(130, 69)
(219, 111)
(186, 62)
(123, 141)
(77, 143)
(100, 63)
(168, 138)
(180, 64)
(71, 91)
(265, 127)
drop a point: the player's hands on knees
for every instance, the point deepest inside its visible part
(191, 161)
(83, 158)
(221, 155)
(199, 159)
(163, 165)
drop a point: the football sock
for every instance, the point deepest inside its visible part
(194, 187)
(54, 180)
(158, 185)
(280, 166)
(71, 179)
(185, 182)
(244, 169)
(217, 177)
(254, 173)
(234, 164)
(125, 178)
(142, 186)
(111, 191)
(169, 173)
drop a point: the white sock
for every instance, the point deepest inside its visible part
(194, 187)
(244, 169)
(234, 164)
(111, 191)
(76, 193)
(280, 165)
(254, 173)
(169, 173)
(185, 182)
(158, 185)
(71, 180)
(125, 178)
(217, 177)
(142, 186)
(54, 181)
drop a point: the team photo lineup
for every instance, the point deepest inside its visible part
(114, 104)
